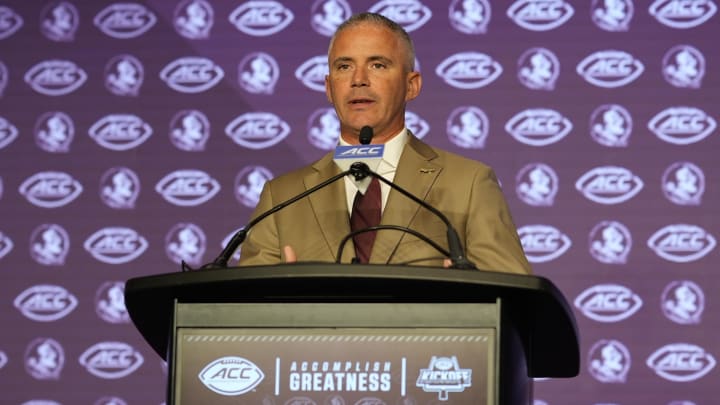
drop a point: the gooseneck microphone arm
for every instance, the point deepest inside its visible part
(457, 254)
(239, 237)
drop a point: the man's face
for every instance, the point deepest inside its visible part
(369, 82)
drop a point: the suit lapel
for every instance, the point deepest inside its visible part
(329, 205)
(416, 173)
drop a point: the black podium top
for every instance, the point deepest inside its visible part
(536, 307)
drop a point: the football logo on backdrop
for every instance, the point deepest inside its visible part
(537, 184)
(312, 73)
(54, 132)
(538, 126)
(609, 185)
(50, 189)
(110, 302)
(610, 242)
(49, 244)
(110, 401)
(187, 188)
(612, 16)
(683, 302)
(469, 70)
(120, 132)
(249, 183)
(470, 17)
(3, 359)
(257, 130)
(55, 77)
(543, 243)
(327, 15)
(258, 73)
(60, 21)
(608, 302)
(468, 127)
(192, 74)
(540, 15)
(611, 125)
(124, 75)
(185, 242)
(6, 245)
(260, 18)
(10, 22)
(538, 69)
(119, 188)
(45, 303)
(416, 124)
(190, 130)
(44, 359)
(193, 19)
(683, 183)
(443, 376)
(3, 77)
(682, 14)
(323, 128)
(682, 243)
(681, 362)
(684, 66)
(116, 245)
(8, 132)
(682, 125)
(125, 20)
(111, 360)
(609, 361)
(231, 375)
(410, 14)
(610, 69)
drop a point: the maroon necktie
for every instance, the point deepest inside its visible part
(366, 212)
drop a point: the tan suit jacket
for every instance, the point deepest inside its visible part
(466, 191)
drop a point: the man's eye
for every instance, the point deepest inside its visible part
(378, 65)
(343, 67)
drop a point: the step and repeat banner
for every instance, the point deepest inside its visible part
(138, 134)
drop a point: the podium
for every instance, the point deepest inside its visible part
(318, 333)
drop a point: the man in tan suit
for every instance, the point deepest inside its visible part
(371, 78)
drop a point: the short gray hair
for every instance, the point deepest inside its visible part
(381, 20)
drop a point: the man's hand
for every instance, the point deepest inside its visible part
(289, 253)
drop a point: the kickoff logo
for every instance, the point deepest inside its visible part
(187, 188)
(257, 130)
(681, 243)
(45, 303)
(540, 15)
(261, 18)
(10, 22)
(120, 132)
(8, 132)
(50, 189)
(608, 302)
(538, 126)
(231, 376)
(469, 70)
(681, 362)
(610, 68)
(543, 243)
(115, 245)
(111, 360)
(6, 245)
(125, 20)
(410, 14)
(312, 73)
(682, 125)
(191, 74)
(55, 77)
(682, 14)
(609, 185)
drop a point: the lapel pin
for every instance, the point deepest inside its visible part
(424, 170)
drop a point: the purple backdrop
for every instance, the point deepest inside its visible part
(134, 135)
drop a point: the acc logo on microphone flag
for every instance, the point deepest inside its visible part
(356, 152)
(231, 376)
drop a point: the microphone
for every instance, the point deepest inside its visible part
(455, 248)
(371, 155)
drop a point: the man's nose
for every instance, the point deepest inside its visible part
(360, 78)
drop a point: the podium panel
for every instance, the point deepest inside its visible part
(336, 353)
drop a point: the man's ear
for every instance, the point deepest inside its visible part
(414, 84)
(327, 89)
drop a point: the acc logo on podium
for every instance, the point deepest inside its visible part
(231, 376)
